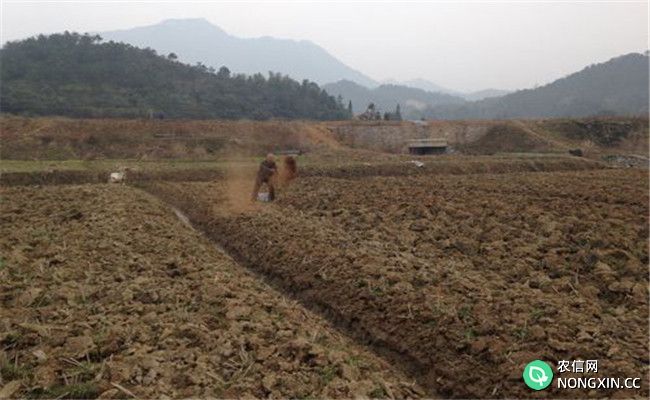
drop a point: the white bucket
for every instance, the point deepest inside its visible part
(263, 197)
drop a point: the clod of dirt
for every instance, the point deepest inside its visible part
(79, 346)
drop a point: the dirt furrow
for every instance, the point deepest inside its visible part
(104, 292)
(465, 285)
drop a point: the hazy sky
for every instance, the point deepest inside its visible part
(460, 45)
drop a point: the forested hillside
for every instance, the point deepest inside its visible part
(77, 75)
(616, 87)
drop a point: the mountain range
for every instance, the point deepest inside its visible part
(616, 87)
(199, 41)
(433, 87)
(386, 97)
(196, 40)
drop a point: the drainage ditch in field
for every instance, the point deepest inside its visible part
(439, 274)
(405, 363)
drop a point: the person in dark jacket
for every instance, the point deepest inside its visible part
(266, 174)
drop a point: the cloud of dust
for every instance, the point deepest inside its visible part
(238, 188)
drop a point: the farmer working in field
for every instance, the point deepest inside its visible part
(266, 174)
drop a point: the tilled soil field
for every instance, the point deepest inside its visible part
(463, 279)
(333, 164)
(105, 292)
(456, 165)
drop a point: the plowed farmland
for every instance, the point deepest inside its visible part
(105, 292)
(463, 279)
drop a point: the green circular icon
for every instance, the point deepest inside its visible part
(538, 375)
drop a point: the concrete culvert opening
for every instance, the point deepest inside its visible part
(423, 147)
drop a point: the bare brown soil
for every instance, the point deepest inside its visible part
(509, 138)
(104, 292)
(622, 134)
(455, 273)
(54, 177)
(333, 164)
(463, 278)
(452, 165)
(64, 138)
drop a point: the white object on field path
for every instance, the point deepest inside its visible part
(117, 177)
(263, 197)
(417, 163)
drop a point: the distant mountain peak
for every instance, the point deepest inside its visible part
(198, 40)
(183, 21)
(189, 23)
